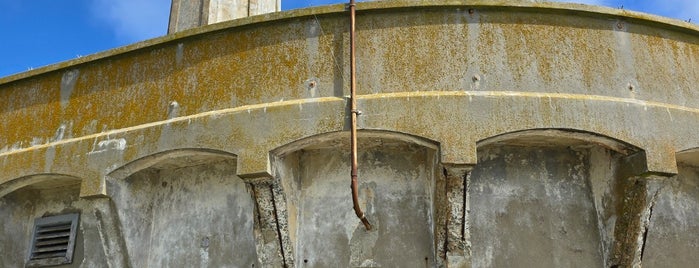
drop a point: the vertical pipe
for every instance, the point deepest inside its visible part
(354, 112)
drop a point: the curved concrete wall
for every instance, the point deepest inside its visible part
(176, 213)
(593, 105)
(397, 190)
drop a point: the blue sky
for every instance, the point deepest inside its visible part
(35, 33)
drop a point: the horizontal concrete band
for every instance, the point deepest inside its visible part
(402, 46)
(456, 122)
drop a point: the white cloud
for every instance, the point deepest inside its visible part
(133, 20)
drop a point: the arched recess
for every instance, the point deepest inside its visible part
(673, 231)
(38, 182)
(184, 207)
(563, 190)
(25, 199)
(397, 174)
(171, 159)
(689, 157)
(559, 137)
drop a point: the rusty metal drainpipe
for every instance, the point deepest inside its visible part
(355, 112)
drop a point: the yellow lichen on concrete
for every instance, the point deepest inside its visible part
(254, 84)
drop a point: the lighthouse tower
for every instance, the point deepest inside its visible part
(187, 14)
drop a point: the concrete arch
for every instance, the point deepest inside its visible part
(25, 199)
(398, 174)
(173, 157)
(559, 136)
(343, 136)
(689, 157)
(196, 184)
(47, 180)
(559, 178)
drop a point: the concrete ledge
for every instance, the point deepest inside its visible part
(457, 121)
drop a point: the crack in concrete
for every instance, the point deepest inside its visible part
(646, 221)
(645, 232)
(276, 221)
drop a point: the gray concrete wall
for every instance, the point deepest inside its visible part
(533, 207)
(22, 207)
(171, 215)
(396, 188)
(191, 216)
(673, 232)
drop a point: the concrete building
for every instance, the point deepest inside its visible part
(492, 134)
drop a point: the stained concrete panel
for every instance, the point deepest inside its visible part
(396, 190)
(14, 234)
(532, 207)
(196, 216)
(672, 238)
(19, 210)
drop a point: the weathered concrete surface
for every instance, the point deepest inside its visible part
(271, 223)
(607, 179)
(174, 214)
(617, 87)
(673, 230)
(532, 54)
(533, 207)
(20, 208)
(396, 189)
(455, 249)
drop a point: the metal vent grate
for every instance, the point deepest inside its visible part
(53, 240)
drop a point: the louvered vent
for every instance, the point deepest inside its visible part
(53, 240)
